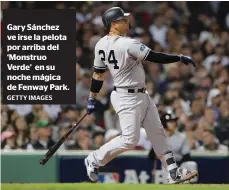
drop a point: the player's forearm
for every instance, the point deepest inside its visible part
(92, 95)
(96, 84)
(163, 58)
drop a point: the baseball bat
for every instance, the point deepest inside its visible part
(56, 146)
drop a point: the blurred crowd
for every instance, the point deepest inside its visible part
(199, 97)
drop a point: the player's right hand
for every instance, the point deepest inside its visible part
(90, 107)
(186, 60)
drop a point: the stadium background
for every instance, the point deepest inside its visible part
(199, 97)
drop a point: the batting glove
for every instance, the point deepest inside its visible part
(186, 60)
(90, 107)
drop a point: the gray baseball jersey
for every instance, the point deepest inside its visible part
(179, 145)
(122, 56)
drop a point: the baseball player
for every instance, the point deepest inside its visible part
(178, 143)
(123, 57)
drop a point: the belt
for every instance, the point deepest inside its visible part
(132, 90)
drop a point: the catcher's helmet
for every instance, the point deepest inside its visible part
(113, 14)
(168, 116)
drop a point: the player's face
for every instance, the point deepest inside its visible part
(171, 125)
(122, 26)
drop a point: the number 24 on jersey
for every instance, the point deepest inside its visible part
(111, 58)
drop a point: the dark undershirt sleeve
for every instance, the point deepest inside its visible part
(163, 58)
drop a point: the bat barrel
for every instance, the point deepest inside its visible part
(44, 160)
(55, 147)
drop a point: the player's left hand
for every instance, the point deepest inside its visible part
(186, 60)
(90, 107)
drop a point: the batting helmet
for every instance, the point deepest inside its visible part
(113, 14)
(168, 116)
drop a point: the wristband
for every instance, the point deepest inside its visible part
(96, 85)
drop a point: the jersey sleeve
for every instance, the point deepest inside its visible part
(99, 65)
(185, 149)
(138, 50)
